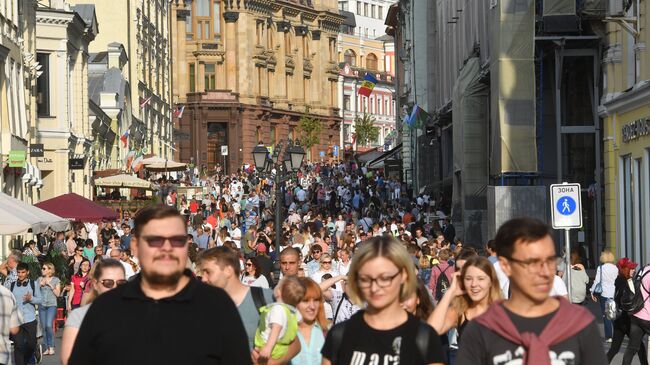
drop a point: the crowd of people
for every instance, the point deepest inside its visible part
(362, 274)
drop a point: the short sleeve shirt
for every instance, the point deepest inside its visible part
(364, 345)
(250, 315)
(49, 299)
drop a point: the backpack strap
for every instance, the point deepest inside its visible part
(338, 307)
(422, 339)
(258, 297)
(337, 333)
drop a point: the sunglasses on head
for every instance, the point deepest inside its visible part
(159, 241)
(110, 283)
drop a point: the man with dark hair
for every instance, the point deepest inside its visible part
(491, 249)
(220, 268)
(531, 325)
(289, 261)
(163, 316)
(28, 296)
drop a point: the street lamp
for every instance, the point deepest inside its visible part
(285, 168)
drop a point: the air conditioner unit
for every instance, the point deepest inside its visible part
(615, 8)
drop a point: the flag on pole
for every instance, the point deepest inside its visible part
(125, 138)
(144, 102)
(368, 84)
(129, 160)
(418, 117)
(137, 162)
(178, 113)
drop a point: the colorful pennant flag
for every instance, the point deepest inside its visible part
(368, 84)
(418, 118)
(144, 102)
(129, 160)
(137, 162)
(125, 138)
(178, 113)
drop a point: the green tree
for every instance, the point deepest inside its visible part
(365, 129)
(309, 129)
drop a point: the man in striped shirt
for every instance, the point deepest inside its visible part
(10, 321)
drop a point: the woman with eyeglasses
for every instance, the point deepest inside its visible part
(50, 291)
(382, 276)
(78, 285)
(75, 260)
(107, 274)
(253, 275)
(326, 263)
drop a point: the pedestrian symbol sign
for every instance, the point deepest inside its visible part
(566, 208)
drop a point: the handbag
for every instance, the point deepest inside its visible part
(612, 312)
(598, 289)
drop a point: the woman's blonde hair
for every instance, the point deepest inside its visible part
(388, 248)
(462, 303)
(607, 257)
(50, 266)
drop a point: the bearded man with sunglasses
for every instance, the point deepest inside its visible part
(163, 316)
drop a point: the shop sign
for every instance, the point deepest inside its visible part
(36, 150)
(17, 158)
(636, 129)
(76, 164)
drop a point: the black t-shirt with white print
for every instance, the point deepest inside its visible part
(481, 346)
(364, 345)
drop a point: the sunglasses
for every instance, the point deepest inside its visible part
(110, 283)
(327, 262)
(316, 251)
(159, 241)
(249, 264)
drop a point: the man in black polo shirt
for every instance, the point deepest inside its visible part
(164, 316)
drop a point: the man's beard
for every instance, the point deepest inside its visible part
(161, 280)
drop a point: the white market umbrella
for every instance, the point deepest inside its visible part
(153, 160)
(122, 181)
(167, 165)
(17, 217)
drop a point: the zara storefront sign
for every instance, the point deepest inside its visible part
(636, 129)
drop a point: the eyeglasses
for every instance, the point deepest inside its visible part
(534, 266)
(110, 283)
(365, 282)
(316, 251)
(249, 264)
(326, 262)
(159, 241)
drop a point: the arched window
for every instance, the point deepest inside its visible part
(350, 57)
(371, 62)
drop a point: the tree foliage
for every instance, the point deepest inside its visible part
(309, 129)
(365, 129)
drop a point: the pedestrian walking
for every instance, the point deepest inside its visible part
(50, 290)
(603, 288)
(531, 327)
(639, 320)
(163, 316)
(10, 321)
(28, 296)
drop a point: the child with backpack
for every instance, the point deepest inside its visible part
(278, 325)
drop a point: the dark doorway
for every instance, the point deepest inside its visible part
(217, 137)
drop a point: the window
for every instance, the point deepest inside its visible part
(358, 7)
(273, 135)
(371, 62)
(386, 111)
(192, 78)
(373, 11)
(210, 76)
(188, 25)
(365, 9)
(366, 32)
(202, 8)
(372, 105)
(346, 102)
(350, 57)
(43, 85)
(216, 17)
(287, 43)
(380, 12)
(378, 107)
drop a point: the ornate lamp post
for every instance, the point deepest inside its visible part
(285, 169)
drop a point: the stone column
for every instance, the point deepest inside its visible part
(231, 18)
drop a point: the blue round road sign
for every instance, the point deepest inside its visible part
(566, 205)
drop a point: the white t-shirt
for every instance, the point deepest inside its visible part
(278, 315)
(559, 288)
(128, 269)
(236, 233)
(260, 282)
(347, 307)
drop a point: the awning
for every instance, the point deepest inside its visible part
(369, 155)
(17, 217)
(123, 181)
(167, 165)
(75, 207)
(378, 163)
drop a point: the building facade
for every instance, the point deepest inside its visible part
(625, 112)
(18, 74)
(142, 27)
(248, 71)
(62, 125)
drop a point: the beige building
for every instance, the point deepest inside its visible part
(248, 71)
(142, 28)
(63, 35)
(18, 72)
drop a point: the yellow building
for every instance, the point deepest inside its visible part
(248, 73)
(18, 74)
(62, 124)
(626, 123)
(142, 28)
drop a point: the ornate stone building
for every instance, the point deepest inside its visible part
(248, 70)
